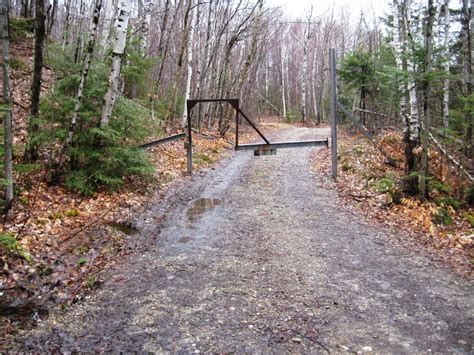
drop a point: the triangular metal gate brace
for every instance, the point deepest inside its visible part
(266, 148)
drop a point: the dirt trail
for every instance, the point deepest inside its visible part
(255, 257)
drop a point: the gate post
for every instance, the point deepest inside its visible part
(332, 80)
(189, 143)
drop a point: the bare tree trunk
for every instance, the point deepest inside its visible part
(252, 50)
(52, 9)
(446, 65)
(304, 74)
(25, 8)
(67, 23)
(85, 72)
(467, 74)
(400, 57)
(145, 27)
(426, 103)
(189, 60)
(283, 95)
(119, 49)
(174, 99)
(266, 86)
(163, 52)
(413, 122)
(31, 153)
(7, 117)
(313, 86)
(78, 50)
(204, 65)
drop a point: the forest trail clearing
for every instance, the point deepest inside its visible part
(255, 256)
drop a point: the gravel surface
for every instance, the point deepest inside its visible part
(253, 256)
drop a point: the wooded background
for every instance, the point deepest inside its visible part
(119, 72)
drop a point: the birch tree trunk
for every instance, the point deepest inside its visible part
(304, 75)
(283, 95)
(119, 49)
(400, 57)
(85, 71)
(145, 27)
(189, 61)
(446, 68)
(7, 117)
(426, 103)
(413, 122)
(313, 86)
(266, 86)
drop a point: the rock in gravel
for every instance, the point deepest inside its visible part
(296, 340)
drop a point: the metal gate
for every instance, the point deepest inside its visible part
(267, 148)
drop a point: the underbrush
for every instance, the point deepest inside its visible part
(443, 221)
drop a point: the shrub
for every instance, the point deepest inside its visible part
(435, 185)
(10, 244)
(442, 217)
(470, 195)
(448, 201)
(470, 218)
(384, 184)
(98, 158)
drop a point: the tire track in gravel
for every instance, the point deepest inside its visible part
(267, 261)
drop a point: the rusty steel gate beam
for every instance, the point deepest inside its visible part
(190, 104)
(259, 148)
(276, 145)
(164, 140)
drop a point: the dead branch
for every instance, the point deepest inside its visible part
(450, 157)
(388, 160)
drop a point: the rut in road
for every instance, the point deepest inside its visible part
(258, 258)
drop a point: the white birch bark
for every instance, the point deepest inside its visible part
(304, 75)
(85, 72)
(189, 61)
(7, 117)
(266, 83)
(145, 27)
(119, 49)
(283, 74)
(313, 86)
(446, 68)
(414, 121)
(398, 39)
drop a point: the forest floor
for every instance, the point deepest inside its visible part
(262, 254)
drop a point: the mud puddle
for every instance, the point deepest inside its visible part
(19, 309)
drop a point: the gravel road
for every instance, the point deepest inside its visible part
(254, 257)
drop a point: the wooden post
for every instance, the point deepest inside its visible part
(189, 143)
(332, 65)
